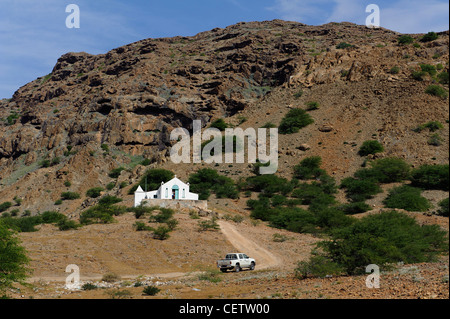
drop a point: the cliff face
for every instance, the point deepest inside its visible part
(95, 113)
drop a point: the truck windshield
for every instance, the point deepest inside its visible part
(231, 256)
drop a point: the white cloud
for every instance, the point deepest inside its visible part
(304, 11)
(406, 16)
(416, 16)
(348, 11)
(33, 35)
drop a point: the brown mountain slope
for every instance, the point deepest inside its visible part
(129, 99)
(96, 113)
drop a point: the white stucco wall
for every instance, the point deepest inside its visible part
(165, 191)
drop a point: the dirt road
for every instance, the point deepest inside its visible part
(264, 258)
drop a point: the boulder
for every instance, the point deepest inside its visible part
(304, 147)
(326, 128)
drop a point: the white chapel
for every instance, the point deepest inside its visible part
(174, 189)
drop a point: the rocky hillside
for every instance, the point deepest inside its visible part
(93, 113)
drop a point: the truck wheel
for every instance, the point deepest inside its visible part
(237, 268)
(252, 266)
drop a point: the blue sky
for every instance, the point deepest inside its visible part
(33, 33)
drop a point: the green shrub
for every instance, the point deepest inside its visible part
(430, 36)
(359, 190)
(163, 216)
(89, 286)
(45, 163)
(206, 180)
(321, 202)
(140, 226)
(28, 223)
(151, 290)
(310, 106)
(343, 45)
(418, 75)
(326, 183)
(405, 39)
(146, 162)
(390, 170)
(211, 276)
(257, 166)
(110, 277)
(219, 124)
(14, 264)
(299, 220)
(15, 212)
(307, 193)
(260, 208)
(317, 266)
(330, 219)
(96, 215)
(55, 161)
(268, 184)
(309, 168)
(394, 70)
(279, 238)
(5, 206)
(370, 147)
(115, 173)
(435, 140)
(436, 90)
(381, 239)
(119, 294)
(23, 224)
(443, 77)
(269, 125)
(443, 207)
(428, 68)
(193, 214)
(354, 208)
(152, 179)
(172, 224)
(52, 217)
(94, 192)
(204, 225)
(432, 126)
(12, 118)
(431, 177)
(408, 198)
(141, 210)
(103, 212)
(111, 185)
(18, 200)
(123, 184)
(70, 196)
(295, 120)
(109, 200)
(293, 219)
(298, 94)
(66, 224)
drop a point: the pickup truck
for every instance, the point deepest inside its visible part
(236, 261)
